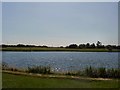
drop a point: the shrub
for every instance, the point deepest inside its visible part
(4, 65)
(113, 73)
(102, 72)
(92, 72)
(70, 73)
(39, 69)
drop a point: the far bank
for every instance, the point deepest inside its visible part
(58, 49)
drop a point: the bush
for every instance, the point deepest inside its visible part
(92, 72)
(71, 73)
(39, 69)
(4, 65)
(89, 71)
(113, 73)
(102, 72)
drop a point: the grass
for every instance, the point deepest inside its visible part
(21, 81)
(88, 71)
(39, 69)
(55, 49)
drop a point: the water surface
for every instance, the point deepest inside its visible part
(61, 61)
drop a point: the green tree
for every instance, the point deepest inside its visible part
(98, 44)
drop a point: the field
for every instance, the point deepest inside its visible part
(55, 49)
(22, 81)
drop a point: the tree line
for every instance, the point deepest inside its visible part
(21, 45)
(80, 46)
(93, 45)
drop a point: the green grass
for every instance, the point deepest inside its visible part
(21, 81)
(54, 49)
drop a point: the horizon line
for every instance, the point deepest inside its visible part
(58, 45)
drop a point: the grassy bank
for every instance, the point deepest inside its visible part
(22, 81)
(55, 49)
(42, 77)
(87, 72)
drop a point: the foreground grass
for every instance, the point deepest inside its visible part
(21, 81)
(54, 49)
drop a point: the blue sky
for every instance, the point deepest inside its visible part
(56, 24)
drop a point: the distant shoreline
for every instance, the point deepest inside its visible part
(39, 49)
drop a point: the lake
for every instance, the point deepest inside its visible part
(61, 61)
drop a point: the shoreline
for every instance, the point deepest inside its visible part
(54, 49)
(54, 76)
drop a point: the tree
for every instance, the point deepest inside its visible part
(93, 45)
(20, 45)
(109, 47)
(73, 46)
(82, 46)
(87, 45)
(99, 44)
(61, 47)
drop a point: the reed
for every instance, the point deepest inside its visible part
(39, 69)
(89, 71)
(102, 72)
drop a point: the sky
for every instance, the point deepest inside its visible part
(0, 23)
(60, 0)
(59, 23)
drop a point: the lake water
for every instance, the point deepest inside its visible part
(61, 61)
